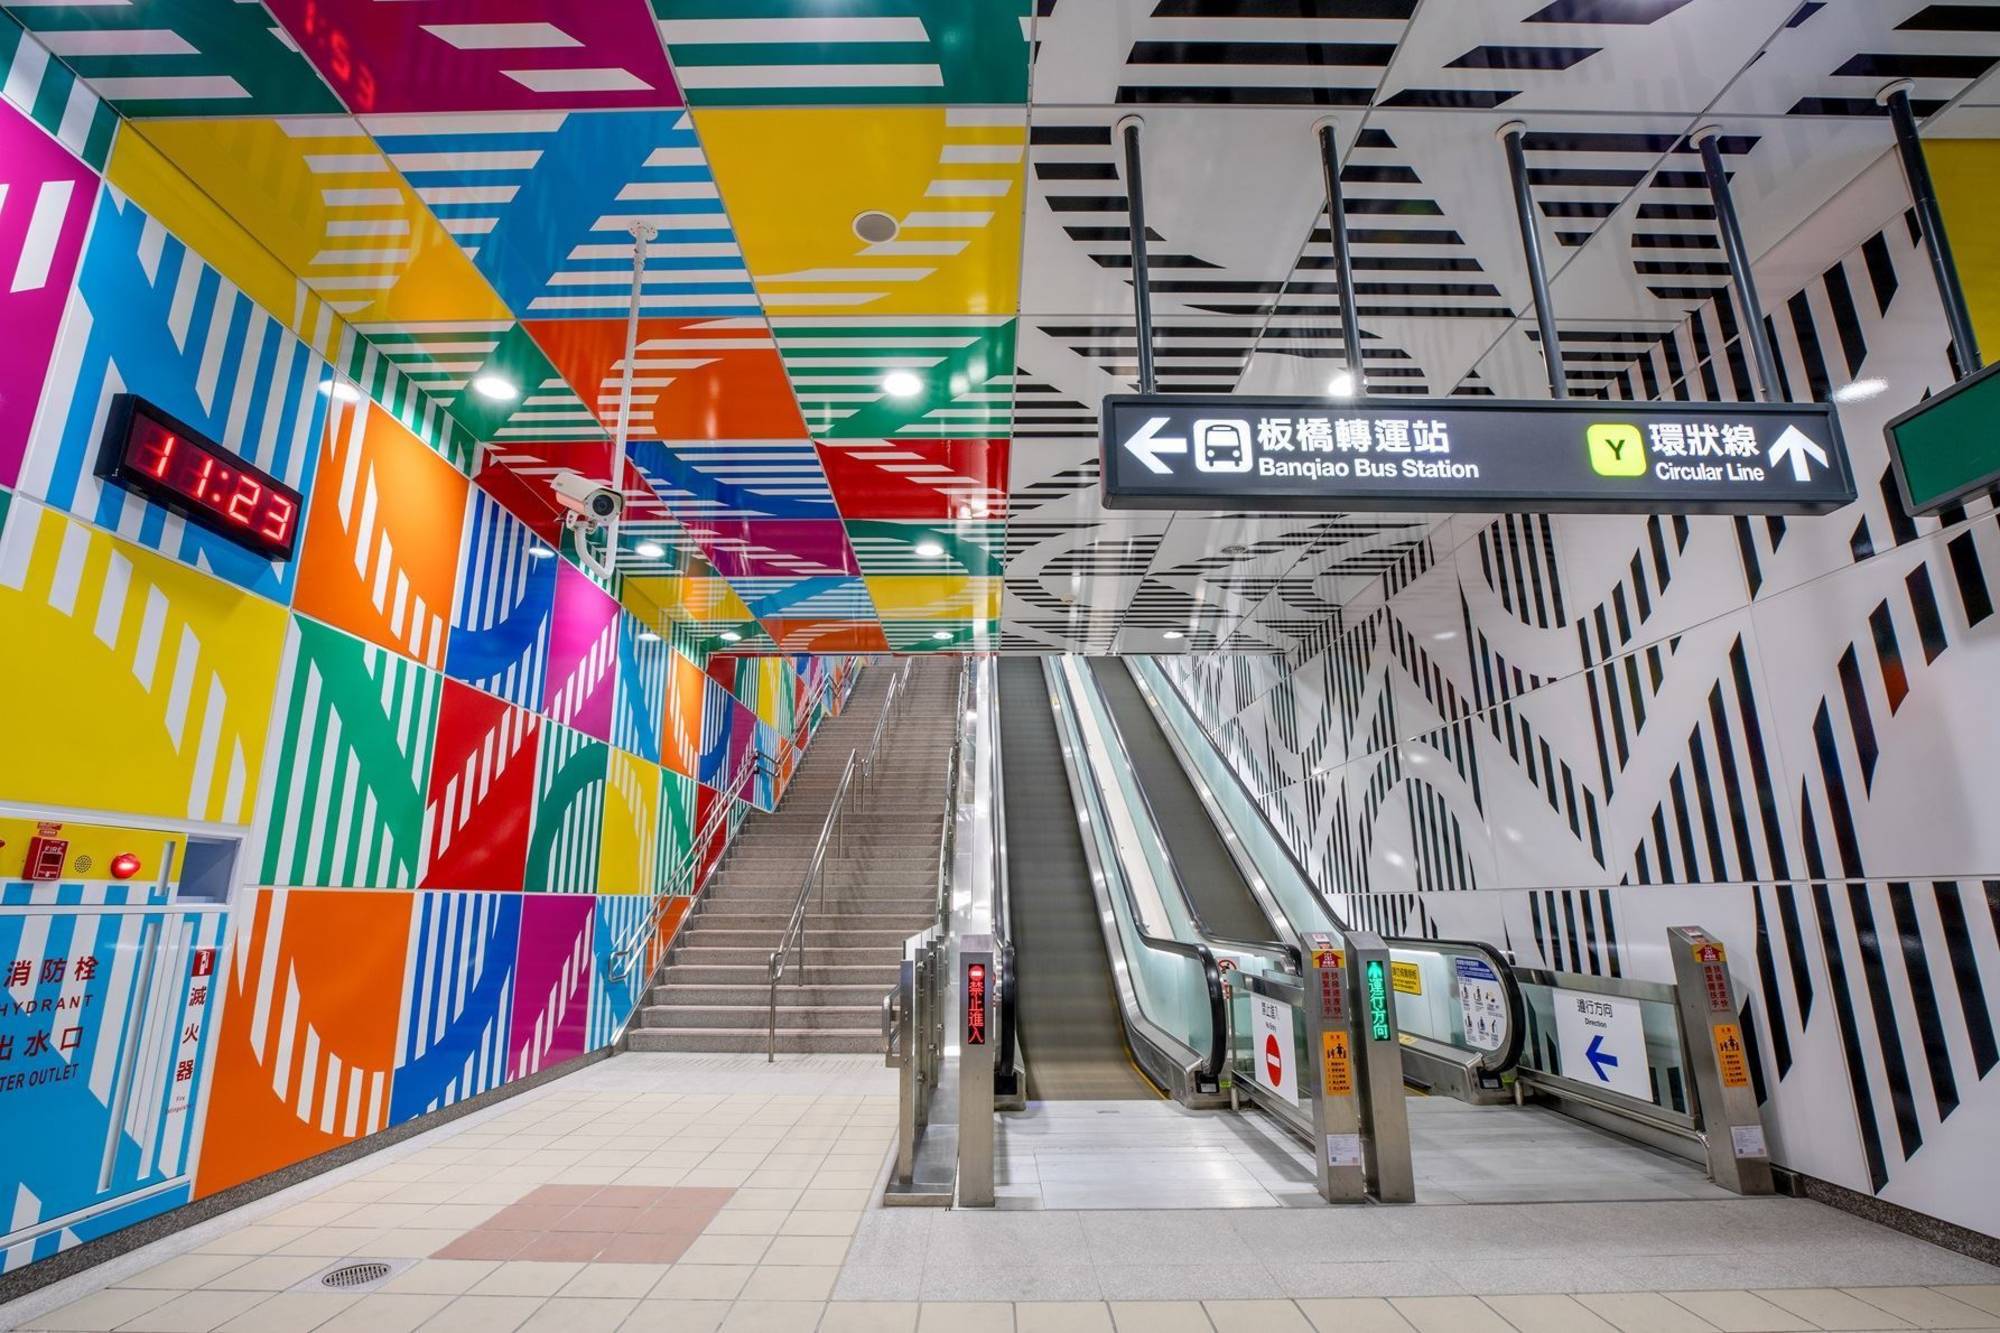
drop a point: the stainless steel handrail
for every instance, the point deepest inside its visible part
(680, 879)
(1507, 1057)
(897, 687)
(815, 868)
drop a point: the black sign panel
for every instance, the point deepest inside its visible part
(1171, 451)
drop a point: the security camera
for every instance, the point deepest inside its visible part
(592, 501)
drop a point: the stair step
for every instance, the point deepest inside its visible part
(791, 1041)
(834, 936)
(815, 973)
(697, 952)
(849, 1017)
(674, 994)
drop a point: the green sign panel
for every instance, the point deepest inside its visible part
(1376, 977)
(1947, 449)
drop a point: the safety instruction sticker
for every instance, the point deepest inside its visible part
(1337, 1070)
(1482, 1003)
(1748, 1140)
(1343, 1150)
(1730, 1057)
(1407, 978)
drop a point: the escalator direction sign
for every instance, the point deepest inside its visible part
(975, 1004)
(1177, 451)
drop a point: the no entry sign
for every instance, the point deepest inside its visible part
(1172, 451)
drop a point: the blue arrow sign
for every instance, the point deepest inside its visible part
(1600, 1058)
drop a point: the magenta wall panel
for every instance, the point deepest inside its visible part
(583, 655)
(551, 981)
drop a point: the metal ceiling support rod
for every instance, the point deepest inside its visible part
(1923, 195)
(1755, 332)
(1343, 258)
(642, 232)
(1531, 247)
(1135, 210)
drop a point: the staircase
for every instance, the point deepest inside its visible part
(713, 994)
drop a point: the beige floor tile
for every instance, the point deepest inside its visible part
(703, 1282)
(407, 1243)
(712, 1177)
(1364, 1314)
(291, 1312)
(772, 1317)
(386, 1312)
(1062, 1317)
(726, 1250)
(1256, 1317)
(1449, 1314)
(1739, 1311)
(628, 1281)
(791, 1283)
(819, 1224)
(869, 1317)
(185, 1272)
(461, 1216)
(806, 1250)
(1923, 1307)
(1835, 1311)
(330, 1242)
(769, 1200)
(746, 1222)
(1986, 1298)
(312, 1213)
(965, 1317)
(442, 1277)
(526, 1278)
(104, 1309)
(255, 1239)
(195, 1311)
(1548, 1314)
(580, 1314)
(1160, 1317)
(819, 1199)
(270, 1272)
(1643, 1312)
(482, 1314)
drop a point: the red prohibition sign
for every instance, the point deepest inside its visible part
(1274, 1060)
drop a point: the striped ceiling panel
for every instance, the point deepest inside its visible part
(888, 275)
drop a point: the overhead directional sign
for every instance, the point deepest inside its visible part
(1946, 450)
(1172, 451)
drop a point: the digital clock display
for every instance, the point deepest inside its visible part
(152, 454)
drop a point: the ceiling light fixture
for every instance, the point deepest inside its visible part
(540, 552)
(1341, 385)
(729, 636)
(1173, 634)
(940, 634)
(497, 387)
(647, 636)
(340, 391)
(930, 550)
(650, 550)
(902, 384)
(1860, 391)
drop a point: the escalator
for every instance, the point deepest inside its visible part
(1067, 1012)
(1220, 896)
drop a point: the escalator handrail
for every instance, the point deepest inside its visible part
(1003, 902)
(1510, 985)
(1217, 1055)
(1275, 948)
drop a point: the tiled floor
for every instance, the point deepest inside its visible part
(762, 1181)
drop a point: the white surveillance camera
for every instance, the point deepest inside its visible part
(592, 501)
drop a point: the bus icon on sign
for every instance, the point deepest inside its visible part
(1222, 445)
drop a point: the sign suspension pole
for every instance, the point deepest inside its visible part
(1923, 196)
(1531, 248)
(1343, 258)
(1755, 332)
(1135, 209)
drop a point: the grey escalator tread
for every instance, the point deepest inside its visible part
(1216, 886)
(1066, 1007)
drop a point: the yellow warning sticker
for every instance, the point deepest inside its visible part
(1336, 1070)
(1407, 978)
(1730, 1056)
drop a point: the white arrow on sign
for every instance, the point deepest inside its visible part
(1796, 445)
(1147, 445)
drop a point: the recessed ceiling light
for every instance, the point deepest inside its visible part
(1173, 634)
(875, 227)
(1341, 385)
(340, 391)
(650, 550)
(1860, 391)
(902, 384)
(940, 634)
(540, 552)
(496, 387)
(647, 636)
(729, 636)
(930, 550)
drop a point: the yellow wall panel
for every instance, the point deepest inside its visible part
(136, 684)
(794, 181)
(1967, 174)
(678, 598)
(935, 597)
(320, 195)
(628, 860)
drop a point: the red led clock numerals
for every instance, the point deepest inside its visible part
(150, 453)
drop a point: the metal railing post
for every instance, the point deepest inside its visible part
(1135, 215)
(1755, 333)
(1510, 136)
(1718, 1063)
(1343, 259)
(1930, 222)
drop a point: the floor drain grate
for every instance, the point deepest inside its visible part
(348, 1276)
